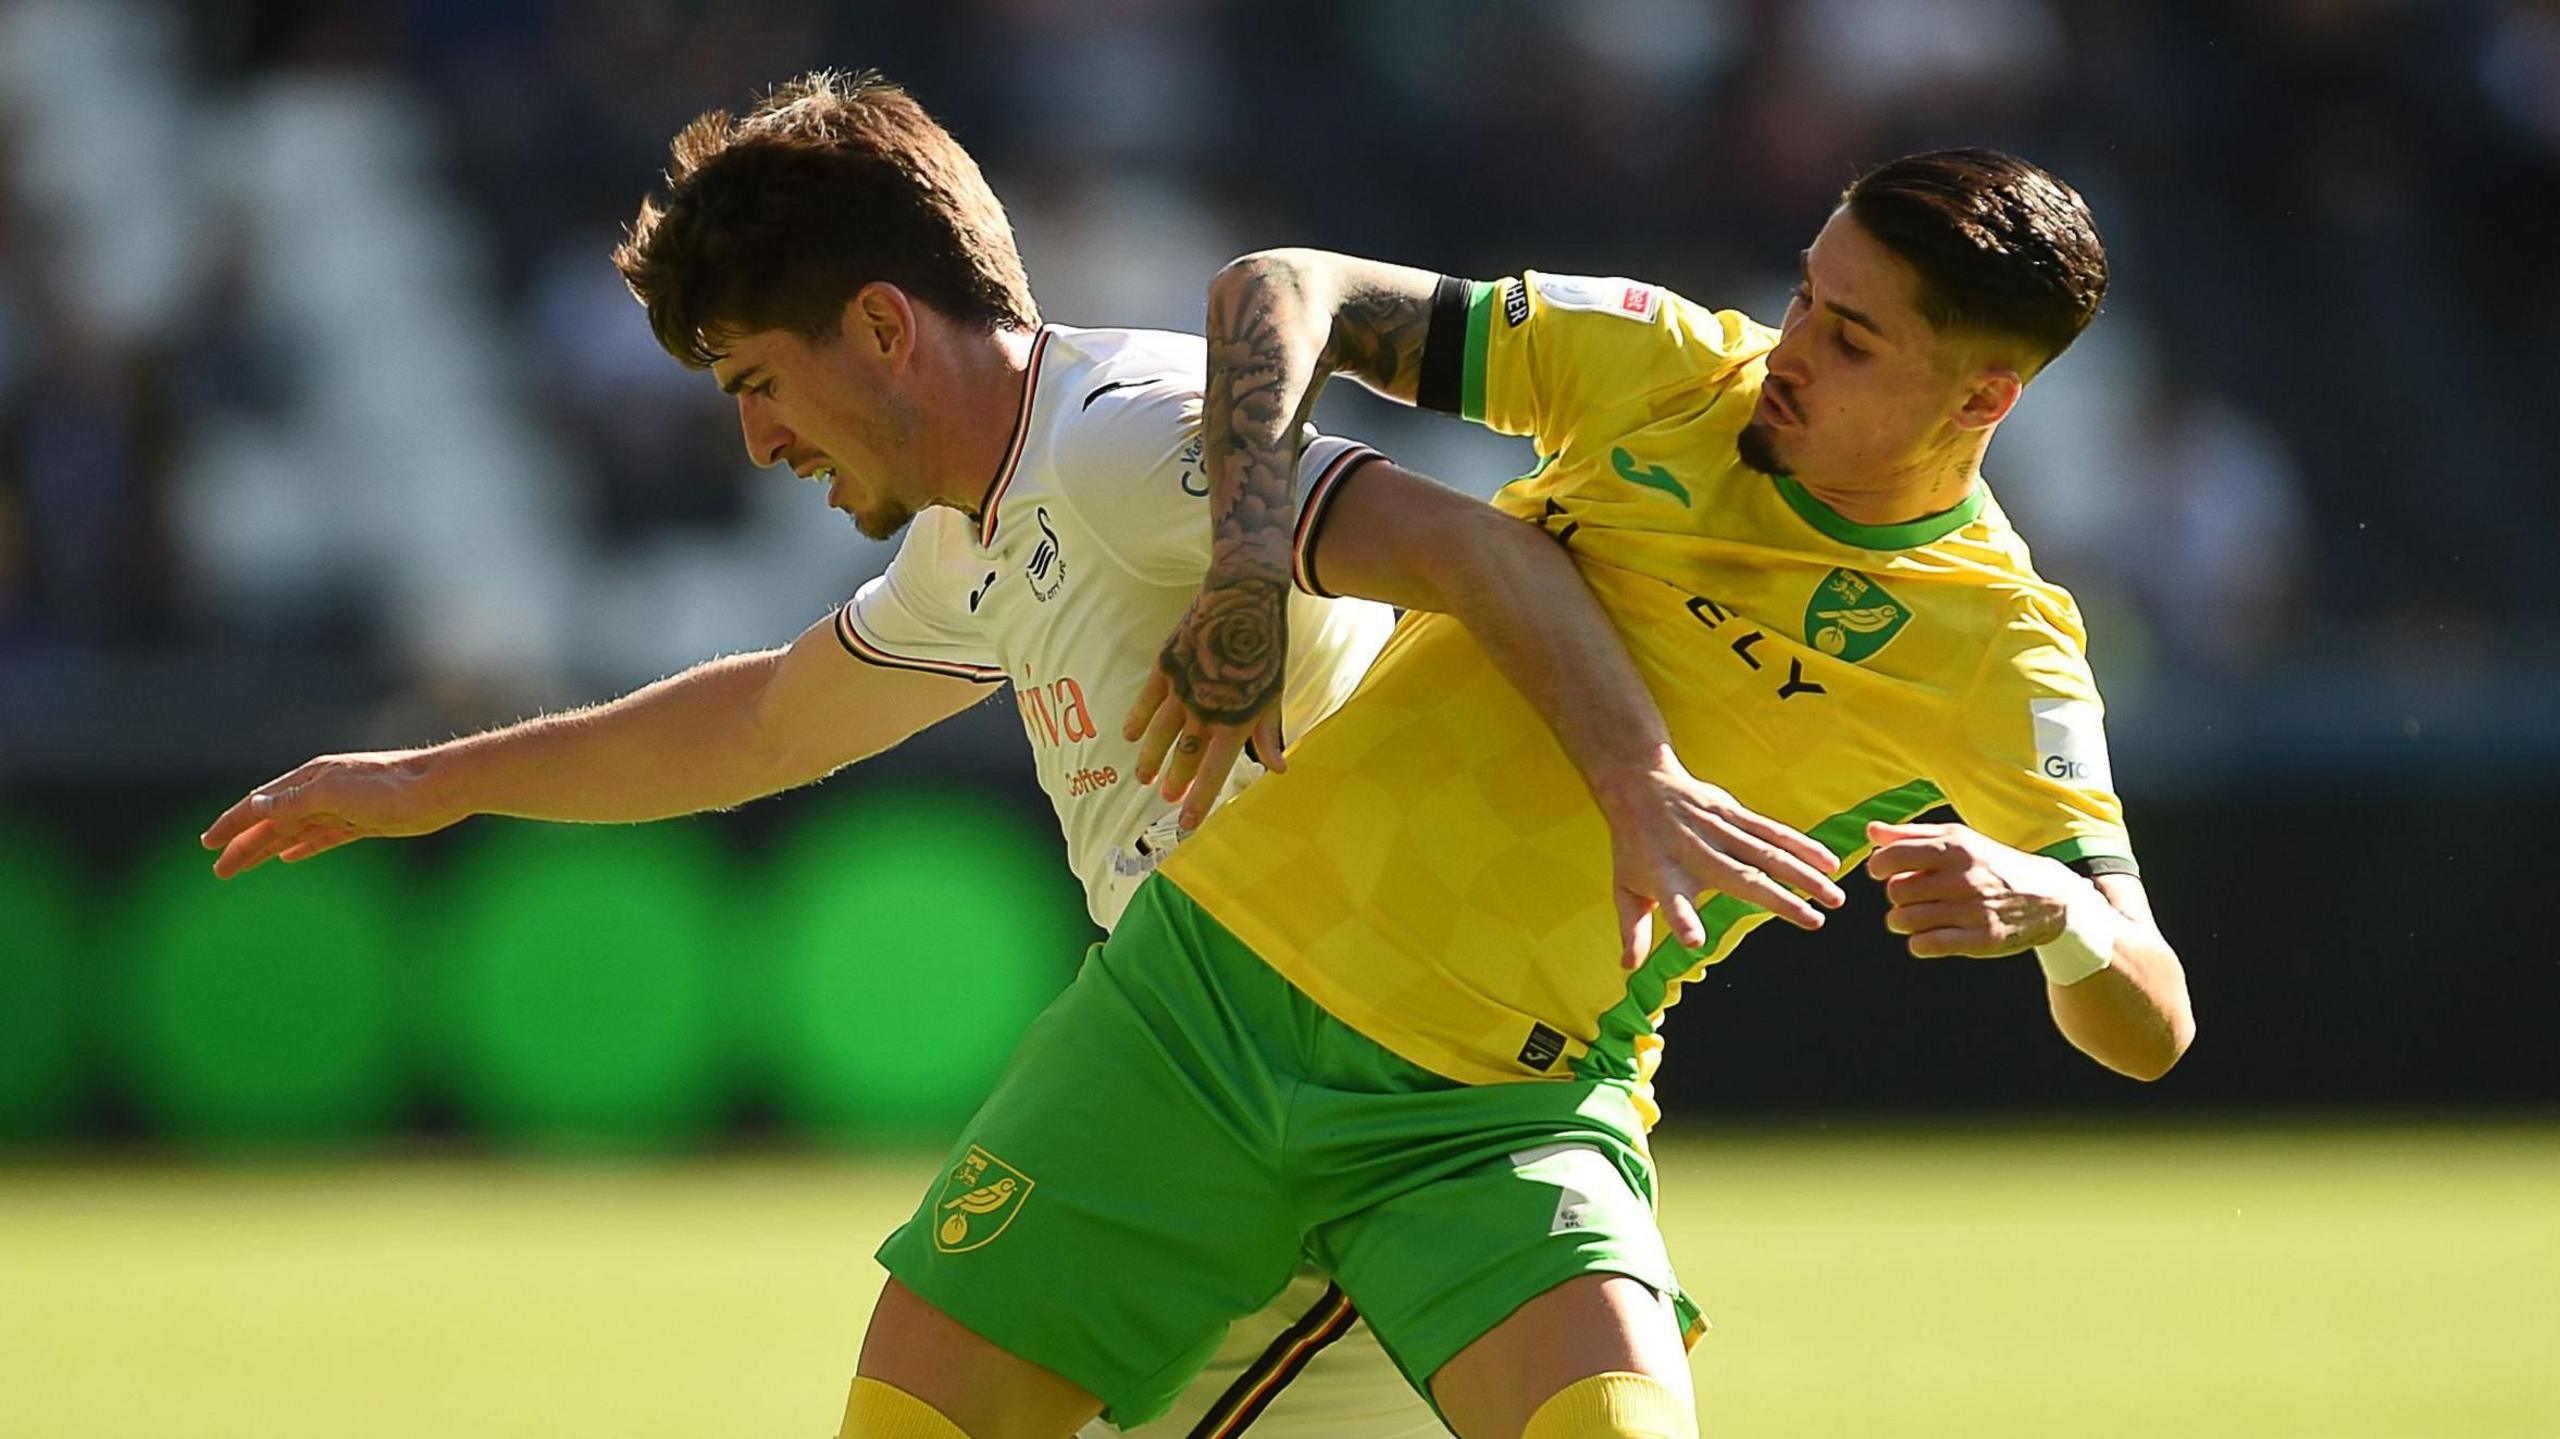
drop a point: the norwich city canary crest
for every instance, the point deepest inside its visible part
(977, 1201)
(1852, 617)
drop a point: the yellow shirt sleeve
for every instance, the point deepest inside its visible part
(1549, 355)
(2029, 762)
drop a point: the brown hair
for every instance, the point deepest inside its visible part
(775, 220)
(2000, 245)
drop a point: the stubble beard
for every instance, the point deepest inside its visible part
(1758, 450)
(885, 522)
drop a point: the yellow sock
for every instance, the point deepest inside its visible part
(1613, 1406)
(880, 1411)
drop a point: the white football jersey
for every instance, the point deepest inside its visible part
(1085, 553)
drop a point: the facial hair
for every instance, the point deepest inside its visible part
(885, 522)
(1759, 450)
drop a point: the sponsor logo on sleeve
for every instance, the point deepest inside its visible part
(1515, 303)
(2071, 743)
(1627, 299)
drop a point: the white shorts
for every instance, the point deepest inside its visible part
(1303, 1367)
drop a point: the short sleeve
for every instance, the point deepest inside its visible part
(1131, 470)
(914, 615)
(2030, 765)
(1541, 355)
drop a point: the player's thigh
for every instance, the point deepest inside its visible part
(1487, 1198)
(1302, 1367)
(1107, 1211)
(1586, 1326)
(986, 1391)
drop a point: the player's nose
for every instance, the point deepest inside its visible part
(767, 438)
(1786, 359)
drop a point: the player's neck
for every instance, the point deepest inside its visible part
(1928, 485)
(975, 395)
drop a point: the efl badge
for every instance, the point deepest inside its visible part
(977, 1202)
(1624, 298)
(1852, 617)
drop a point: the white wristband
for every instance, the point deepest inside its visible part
(2087, 944)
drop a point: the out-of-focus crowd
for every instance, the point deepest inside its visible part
(313, 367)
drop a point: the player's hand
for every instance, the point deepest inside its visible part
(1215, 689)
(333, 800)
(1956, 891)
(1673, 836)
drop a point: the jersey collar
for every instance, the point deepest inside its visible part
(1013, 451)
(1909, 534)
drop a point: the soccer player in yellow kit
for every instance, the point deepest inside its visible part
(1371, 1001)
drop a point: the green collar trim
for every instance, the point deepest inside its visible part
(1907, 535)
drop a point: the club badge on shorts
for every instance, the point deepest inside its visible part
(978, 1200)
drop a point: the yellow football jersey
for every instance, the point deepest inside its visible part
(1430, 868)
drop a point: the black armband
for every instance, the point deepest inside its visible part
(1444, 348)
(2098, 864)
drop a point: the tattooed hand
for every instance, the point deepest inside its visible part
(1228, 656)
(1216, 688)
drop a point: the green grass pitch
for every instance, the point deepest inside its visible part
(2255, 1282)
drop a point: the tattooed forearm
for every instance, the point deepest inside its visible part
(1227, 658)
(1279, 323)
(1264, 370)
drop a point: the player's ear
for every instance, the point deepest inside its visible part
(1989, 398)
(882, 320)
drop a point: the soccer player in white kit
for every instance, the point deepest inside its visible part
(1049, 483)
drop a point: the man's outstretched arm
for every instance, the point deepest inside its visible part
(1400, 538)
(722, 733)
(1279, 323)
(2116, 988)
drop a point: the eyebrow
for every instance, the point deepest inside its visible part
(1804, 262)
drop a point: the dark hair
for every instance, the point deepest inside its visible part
(775, 220)
(2000, 245)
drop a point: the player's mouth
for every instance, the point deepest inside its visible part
(824, 472)
(1775, 408)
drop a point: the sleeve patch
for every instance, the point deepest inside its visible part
(1624, 298)
(2071, 743)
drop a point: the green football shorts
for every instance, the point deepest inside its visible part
(1182, 1124)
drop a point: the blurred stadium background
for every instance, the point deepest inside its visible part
(325, 424)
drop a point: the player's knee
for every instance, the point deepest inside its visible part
(1613, 1406)
(881, 1411)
